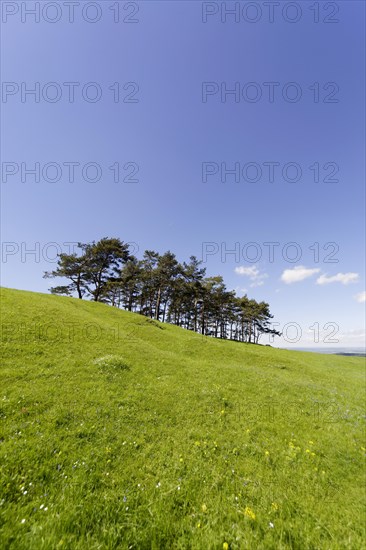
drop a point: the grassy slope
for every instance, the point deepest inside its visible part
(180, 451)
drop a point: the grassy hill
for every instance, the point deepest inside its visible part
(121, 432)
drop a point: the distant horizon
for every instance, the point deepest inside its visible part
(330, 349)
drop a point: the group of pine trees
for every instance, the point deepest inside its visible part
(160, 287)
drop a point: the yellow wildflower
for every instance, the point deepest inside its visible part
(204, 508)
(248, 512)
(225, 546)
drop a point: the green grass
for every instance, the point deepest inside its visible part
(121, 432)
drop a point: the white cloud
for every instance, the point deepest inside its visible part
(256, 283)
(297, 274)
(344, 278)
(253, 273)
(361, 297)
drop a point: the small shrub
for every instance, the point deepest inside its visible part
(111, 362)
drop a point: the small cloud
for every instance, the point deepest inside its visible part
(297, 274)
(256, 283)
(253, 273)
(344, 278)
(361, 297)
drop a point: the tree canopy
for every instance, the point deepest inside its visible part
(160, 287)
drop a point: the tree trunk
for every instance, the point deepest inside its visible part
(164, 312)
(157, 310)
(78, 288)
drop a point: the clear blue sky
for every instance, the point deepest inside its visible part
(170, 132)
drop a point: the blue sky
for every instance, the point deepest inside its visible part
(170, 132)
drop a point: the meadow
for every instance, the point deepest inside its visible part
(119, 432)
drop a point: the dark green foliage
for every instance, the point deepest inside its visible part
(161, 288)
